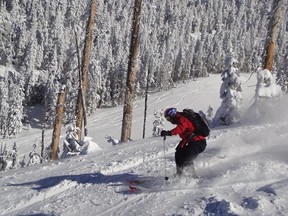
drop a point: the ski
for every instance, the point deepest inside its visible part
(161, 188)
(134, 185)
(157, 185)
(143, 184)
(134, 189)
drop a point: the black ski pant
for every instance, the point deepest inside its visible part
(185, 156)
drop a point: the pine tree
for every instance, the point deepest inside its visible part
(11, 108)
(266, 87)
(158, 123)
(210, 115)
(231, 107)
(34, 156)
(3, 157)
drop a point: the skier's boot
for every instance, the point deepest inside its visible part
(189, 170)
(179, 171)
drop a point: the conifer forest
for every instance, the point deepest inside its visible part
(179, 40)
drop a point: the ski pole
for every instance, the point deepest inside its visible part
(165, 171)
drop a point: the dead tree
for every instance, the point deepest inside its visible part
(80, 89)
(274, 32)
(85, 67)
(131, 74)
(42, 143)
(146, 99)
(57, 124)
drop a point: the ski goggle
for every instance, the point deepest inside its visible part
(168, 118)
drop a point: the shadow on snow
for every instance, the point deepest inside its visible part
(88, 178)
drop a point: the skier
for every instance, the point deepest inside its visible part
(189, 147)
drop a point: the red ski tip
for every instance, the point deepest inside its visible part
(134, 189)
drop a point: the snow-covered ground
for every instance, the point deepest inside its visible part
(243, 170)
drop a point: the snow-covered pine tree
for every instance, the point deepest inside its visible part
(158, 122)
(4, 105)
(52, 87)
(3, 155)
(71, 146)
(11, 108)
(266, 86)
(8, 159)
(22, 162)
(16, 97)
(282, 80)
(266, 96)
(210, 115)
(34, 156)
(230, 92)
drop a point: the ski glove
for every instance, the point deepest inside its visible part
(165, 133)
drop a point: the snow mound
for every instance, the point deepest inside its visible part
(89, 146)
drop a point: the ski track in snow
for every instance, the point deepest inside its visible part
(129, 203)
(134, 161)
(185, 94)
(155, 100)
(96, 123)
(158, 99)
(136, 200)
(117, 119)
(41, 196)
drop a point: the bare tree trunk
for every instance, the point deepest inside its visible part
(85, 66)
(42, 143)
(57, 124)
(274, 32)
(146, 100)
(145, 109)
(80, 90)
(130, 83)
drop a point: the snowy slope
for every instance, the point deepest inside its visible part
(243, 171)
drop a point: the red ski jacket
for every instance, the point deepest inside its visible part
(184, 129)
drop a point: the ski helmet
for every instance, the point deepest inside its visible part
(170, 113)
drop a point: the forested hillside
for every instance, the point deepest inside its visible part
(179, 40)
